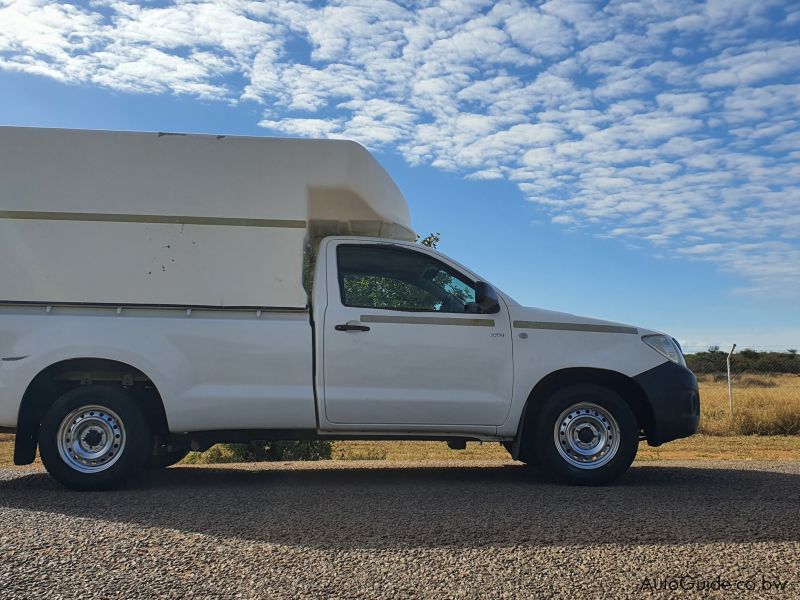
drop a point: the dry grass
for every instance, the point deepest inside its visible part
(718, 447)
(762, 405)
(7, 449)
(405, 450)
(705, 447)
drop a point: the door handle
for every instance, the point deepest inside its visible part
(351, 326)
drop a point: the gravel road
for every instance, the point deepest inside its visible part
(387, 530)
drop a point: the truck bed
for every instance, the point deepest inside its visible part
(215, 368)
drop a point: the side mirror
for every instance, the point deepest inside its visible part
(486, 298)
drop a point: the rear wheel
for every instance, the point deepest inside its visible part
(94, 438)
(586, 435)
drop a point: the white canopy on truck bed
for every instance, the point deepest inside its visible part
(195, 220)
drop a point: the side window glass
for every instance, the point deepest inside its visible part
(396, 279)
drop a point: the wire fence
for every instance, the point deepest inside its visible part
(748, 391)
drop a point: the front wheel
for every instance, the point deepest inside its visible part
(586, 435)
(94, 438)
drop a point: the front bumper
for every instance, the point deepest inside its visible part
(674, 400)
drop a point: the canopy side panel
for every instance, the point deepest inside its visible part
(89, 216)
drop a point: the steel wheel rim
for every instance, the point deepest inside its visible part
(91, 439)
(587, 436)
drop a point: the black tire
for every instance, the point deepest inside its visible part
(166, 459)
(124, 465)
(596, 406)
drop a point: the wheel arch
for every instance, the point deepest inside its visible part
(630, 391)
(52, 381)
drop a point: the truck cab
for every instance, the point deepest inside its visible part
(415, 343)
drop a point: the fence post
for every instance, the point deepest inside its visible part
(730, 386)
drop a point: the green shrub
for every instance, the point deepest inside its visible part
(746, 361)
(260, 451)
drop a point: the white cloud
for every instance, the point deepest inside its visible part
(669, 123)
(762, 61)
(683, 104)
(304, 127)
(544, 35)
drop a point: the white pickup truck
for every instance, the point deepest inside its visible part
(161, 293)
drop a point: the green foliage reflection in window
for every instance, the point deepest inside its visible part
(394, 278)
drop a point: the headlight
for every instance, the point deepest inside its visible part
(666, 346)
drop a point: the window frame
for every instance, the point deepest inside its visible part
(399, 249)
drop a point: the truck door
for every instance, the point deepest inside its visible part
(403, 344)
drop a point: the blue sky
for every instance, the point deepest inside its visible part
(636, 161)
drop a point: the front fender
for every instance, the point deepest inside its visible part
(540, 352)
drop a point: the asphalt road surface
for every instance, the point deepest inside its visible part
(389, 530)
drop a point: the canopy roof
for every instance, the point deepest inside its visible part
(212, 176)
